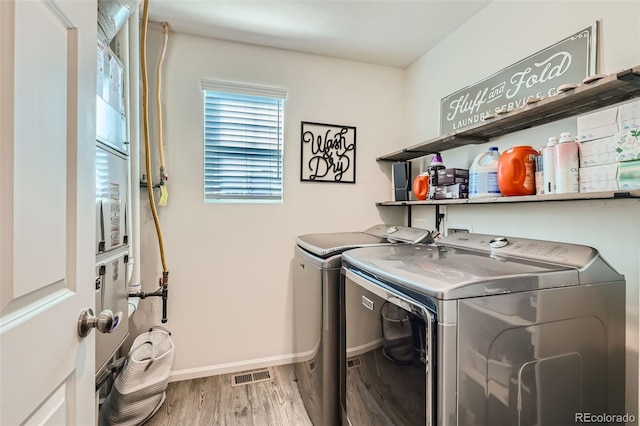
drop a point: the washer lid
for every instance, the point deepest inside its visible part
(480, 265)
(328, 244)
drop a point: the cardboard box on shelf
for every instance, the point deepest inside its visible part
(458, 190)
(628, 145)
(598, 152)
(451, 176)
(598, 125)
(629, 116)
(598, 159)
(629, 175)
(599, 178)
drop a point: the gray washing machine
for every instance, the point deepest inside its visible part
(318, 259)
(481, 330)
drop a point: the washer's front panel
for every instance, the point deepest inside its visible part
(316, 335)
(538, 358)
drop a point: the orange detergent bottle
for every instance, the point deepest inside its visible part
(516, 171)
(421, 186)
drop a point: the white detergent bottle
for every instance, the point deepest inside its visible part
(567, 164)
(549, 165)
(483, 175)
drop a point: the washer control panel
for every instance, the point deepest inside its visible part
(498, 242)
(548, 251)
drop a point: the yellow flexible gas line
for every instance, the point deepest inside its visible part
(147, 147)
(165, 31)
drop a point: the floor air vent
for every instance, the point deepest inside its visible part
(354, 362)
(249, 377)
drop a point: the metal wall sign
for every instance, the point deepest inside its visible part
(568, 61)
(327, 153)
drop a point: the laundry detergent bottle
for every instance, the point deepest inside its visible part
(516, 171)
(435, 165)
(567, 162)
(421, 184)
(483, 175)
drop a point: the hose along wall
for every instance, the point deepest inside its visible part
(165, 32)
(147, 149)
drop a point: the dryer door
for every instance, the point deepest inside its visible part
(386, 373)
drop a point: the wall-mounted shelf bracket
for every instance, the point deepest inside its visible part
(439, 217)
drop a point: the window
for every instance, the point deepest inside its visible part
(243, 144)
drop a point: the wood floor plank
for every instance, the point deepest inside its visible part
(292, 403)
(214, 401)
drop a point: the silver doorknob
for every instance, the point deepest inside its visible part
(105, 322)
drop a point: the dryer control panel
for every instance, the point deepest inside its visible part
(403, 234)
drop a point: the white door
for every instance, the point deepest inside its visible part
(47, 218)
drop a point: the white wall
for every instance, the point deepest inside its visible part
(498, 36)
(230, 301)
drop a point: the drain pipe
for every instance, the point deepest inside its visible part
(132, 31)
(127, 47)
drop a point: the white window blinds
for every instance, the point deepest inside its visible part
(243, 144)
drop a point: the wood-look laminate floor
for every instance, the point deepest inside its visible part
(213, 401)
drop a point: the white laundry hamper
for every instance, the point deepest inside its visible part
(139, 389)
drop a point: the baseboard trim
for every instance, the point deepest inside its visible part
(232, 367)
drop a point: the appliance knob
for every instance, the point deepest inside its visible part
(498, 242)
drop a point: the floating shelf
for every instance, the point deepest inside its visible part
(604, 195)
(615, 88)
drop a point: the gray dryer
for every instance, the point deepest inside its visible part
(318, 260)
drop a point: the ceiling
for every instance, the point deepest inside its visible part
(393, 33)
